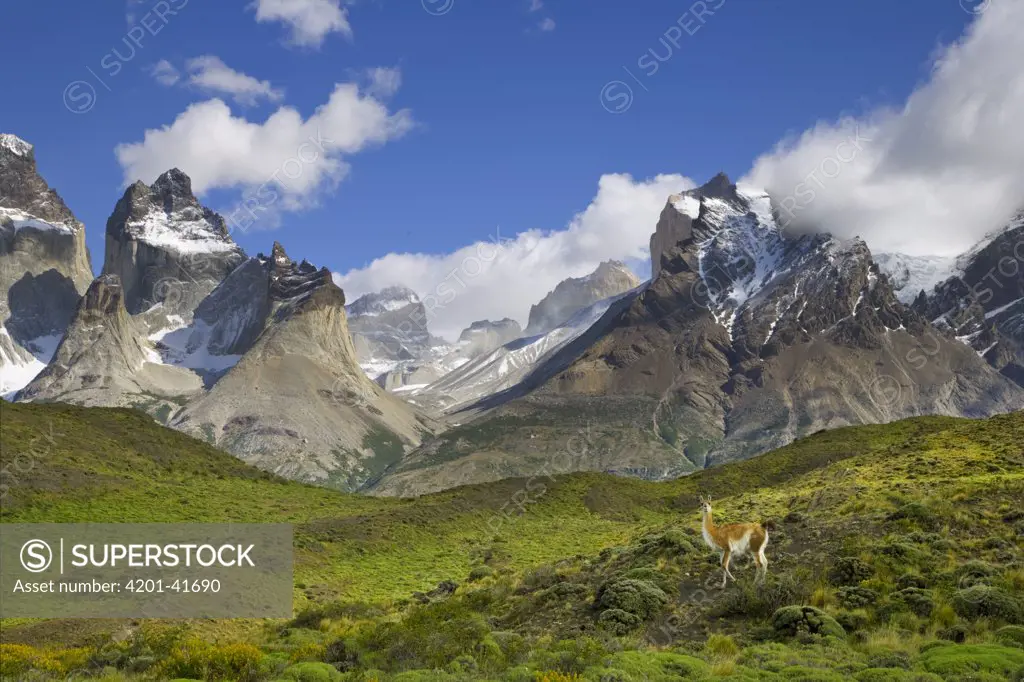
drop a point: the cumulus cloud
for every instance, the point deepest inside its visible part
(210, 74)
(384, 82)
(165, 73)
(503, 275)
(289, 156)
(310, 21)
(547, 25)
(931, 177)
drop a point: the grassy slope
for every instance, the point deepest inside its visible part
(837, 489)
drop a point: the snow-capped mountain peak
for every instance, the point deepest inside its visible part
(910, 275)
(386, 300)
(15, 144)
(167, 215)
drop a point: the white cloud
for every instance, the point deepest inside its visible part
(547, 25)
(384, 82)
(311, 21)
(210, 74)
(478, 281)
(936, 174)
(293, 157)
(536, 5)
(165, 73)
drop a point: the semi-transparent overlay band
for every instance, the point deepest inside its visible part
(150, 570)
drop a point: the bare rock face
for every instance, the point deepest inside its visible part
(297, 402)
(746, 339)
(44, 265)
(390, 331)
(485, 336)
(572, 295)
(168, 250)
(104, 358)
(982, 303)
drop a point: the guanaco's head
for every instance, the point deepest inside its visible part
(705, 504)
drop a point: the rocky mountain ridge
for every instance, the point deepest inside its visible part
(252, 354)
(610, 279)
(44, 266)
(746, 339)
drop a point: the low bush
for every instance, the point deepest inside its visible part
(984, 600)
(971, 659)
(197, 659)
(18, 659)
(1012, 635)
(852, 597)
(849, 571)
(312, 672)
(571, 656)
(429, 637)
(760, 601)
(918, 601)
(619, 622)
(790, 621)
(852, 621)
(639, 597)
(479, 573)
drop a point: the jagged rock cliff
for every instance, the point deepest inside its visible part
(104, 358)
(44, 266)
(572, 295)
(168, 250)
(297, 402)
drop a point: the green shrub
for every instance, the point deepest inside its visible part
(429, 637)
(570, 656)
(512, 646)
(918, 601)
(479, 573)
(890, 659)
(640, 597)
(893, 675)
(790, 621)
(910, 580)
(849, 571)
(973, 573)
(760, 601)
(619, 622)
(312, 672)
(1011, 634)
(343, 654)
(984, 600)
(956, 632)
(651, 575)
(464, 664)
(852, 597)
(965, 659)
(198, 659)
(917, 513)
(672, 542)
(721, 647)
(563, 592)
(653, 666)
(852, 621)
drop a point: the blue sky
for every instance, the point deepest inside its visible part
(503, 122)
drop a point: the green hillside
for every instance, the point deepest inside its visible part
(901, 542)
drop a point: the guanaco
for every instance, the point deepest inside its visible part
(735, 539)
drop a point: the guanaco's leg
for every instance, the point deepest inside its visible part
(725, 567)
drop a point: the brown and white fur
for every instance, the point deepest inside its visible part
(735, 540)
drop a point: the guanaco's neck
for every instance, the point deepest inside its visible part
(709, 524)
